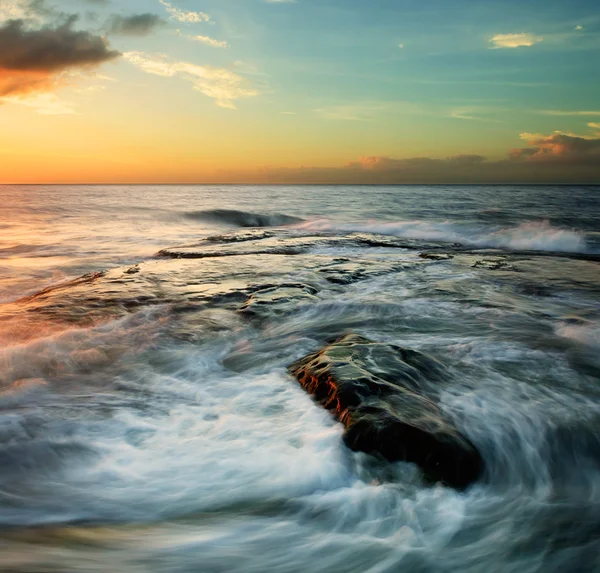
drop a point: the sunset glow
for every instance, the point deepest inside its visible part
(306, 91)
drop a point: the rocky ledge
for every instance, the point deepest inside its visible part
(386, 396)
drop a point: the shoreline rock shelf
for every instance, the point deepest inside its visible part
(385, 396)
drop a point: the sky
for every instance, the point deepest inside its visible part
(299, 91)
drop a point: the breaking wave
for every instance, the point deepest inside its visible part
(528, 236)
(243, 218)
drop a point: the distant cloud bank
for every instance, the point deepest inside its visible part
(554, 158)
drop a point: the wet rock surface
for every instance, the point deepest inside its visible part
(246, 272)
(282, 242)
(277, 299)
(239, 283)
(436, 256)
(385, 396)
(497, 264)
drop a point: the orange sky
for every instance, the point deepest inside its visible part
(263, 91)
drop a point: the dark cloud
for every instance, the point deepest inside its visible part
(50, 49)
(553, 159)
(387, 164)
(31, 60)
(134, 25)
(559, 147)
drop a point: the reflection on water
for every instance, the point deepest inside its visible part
(148, 421)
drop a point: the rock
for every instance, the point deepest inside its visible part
(278, 299)
(494, 265)
(386, 397)
(345, 272)
(436, 256)
(241, 236)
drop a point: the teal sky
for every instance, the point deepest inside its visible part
(306, 90)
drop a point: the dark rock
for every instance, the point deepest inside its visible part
(494, 265)
(386, 395)
(436, 256)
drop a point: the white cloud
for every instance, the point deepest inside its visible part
(515, 40)
(12, 9)
(464, 114)
(90, 89)
(207, 40)
(476, 113)
(350, 112)
(220, 84)
(567, 112)
(579, 28)
(183, 15)
(28, 10)
(104, 78)
(366, 110)
(401, 45)
(534, 136)
(43, 103)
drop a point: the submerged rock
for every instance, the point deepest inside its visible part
(436, 256)
(494, 265)
(386, 395)
(278, 299)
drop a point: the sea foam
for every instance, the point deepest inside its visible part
(528, 236)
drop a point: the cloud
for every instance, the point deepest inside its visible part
(372, 170)
(579, 28)
(184, 16)
(34, 60)
(43, 103)
(134, 25)
(207, 40)
(515, 40)
(22, 10)
(559, 146)
(594, 125)
(567, 112)
(33, 12)
(384, 164)
(351, 112)
(220, 84)
(554, 158)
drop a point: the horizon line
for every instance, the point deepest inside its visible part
(225, 184)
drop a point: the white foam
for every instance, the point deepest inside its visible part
(531, 235)
(587, 333)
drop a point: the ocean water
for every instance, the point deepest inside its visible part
(148, 424)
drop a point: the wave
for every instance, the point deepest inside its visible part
(528, 236)
(243, 218)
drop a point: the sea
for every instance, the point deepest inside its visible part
(149, 422)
